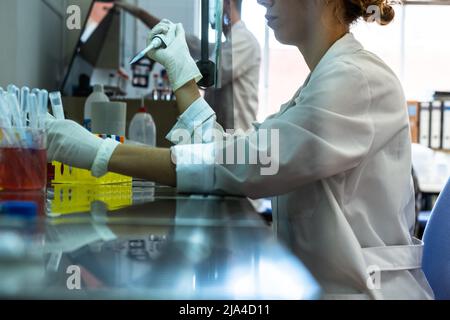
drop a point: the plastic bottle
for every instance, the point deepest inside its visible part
(155, 91)
(98, 95)
(142, 127)
(167, 90)
(162, 94)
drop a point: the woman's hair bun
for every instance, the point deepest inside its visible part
(380, 11)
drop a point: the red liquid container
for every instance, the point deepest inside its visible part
(23, 169)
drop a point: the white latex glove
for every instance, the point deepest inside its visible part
(180, 66)
(71, 144)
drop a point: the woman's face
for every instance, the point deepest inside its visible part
(293, 20)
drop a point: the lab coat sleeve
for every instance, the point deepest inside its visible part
(195, 125)
(326, 132)
(194, 144)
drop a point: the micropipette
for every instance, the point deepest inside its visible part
(156, 43)
(57, 106)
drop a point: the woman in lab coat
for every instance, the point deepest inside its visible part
(342, 189)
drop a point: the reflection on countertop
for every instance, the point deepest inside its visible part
(159, 245)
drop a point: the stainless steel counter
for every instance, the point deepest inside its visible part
(160, 245)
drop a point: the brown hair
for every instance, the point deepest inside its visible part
(380, 11)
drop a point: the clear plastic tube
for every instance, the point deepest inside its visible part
(14, 109)
(24, 93)
(24, 104)
(5, 115)
(33, 111)
(14, 90)
(57, 106)
(43, 108)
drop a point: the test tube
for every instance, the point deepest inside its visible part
(14, 90)
(24, 103)
(43, 108)
(43, 100)
(11, 99)
(13, 105)
(7, 136)
(36, 92)
(5, 115)
(57, 106)
(33, 111)
(24, 93)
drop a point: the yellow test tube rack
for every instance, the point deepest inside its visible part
(78, 198)
(76, 189)
(69, 175)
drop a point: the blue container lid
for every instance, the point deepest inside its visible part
(25, 209)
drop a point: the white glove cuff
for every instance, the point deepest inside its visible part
(184, 73)
(100, 165)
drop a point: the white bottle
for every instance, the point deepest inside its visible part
(142, 128)
(98, 95)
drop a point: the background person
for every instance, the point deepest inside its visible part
(236, 102)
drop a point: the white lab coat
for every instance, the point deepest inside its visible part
(343, 198)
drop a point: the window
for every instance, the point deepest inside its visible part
(427, 50)
(384, 41)
(415, 46)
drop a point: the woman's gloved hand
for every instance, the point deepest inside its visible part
(71, 144)
(176, 58)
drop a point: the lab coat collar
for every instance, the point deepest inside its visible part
(344, 46)
(240, 25)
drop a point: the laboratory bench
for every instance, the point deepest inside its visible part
(141, 241)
